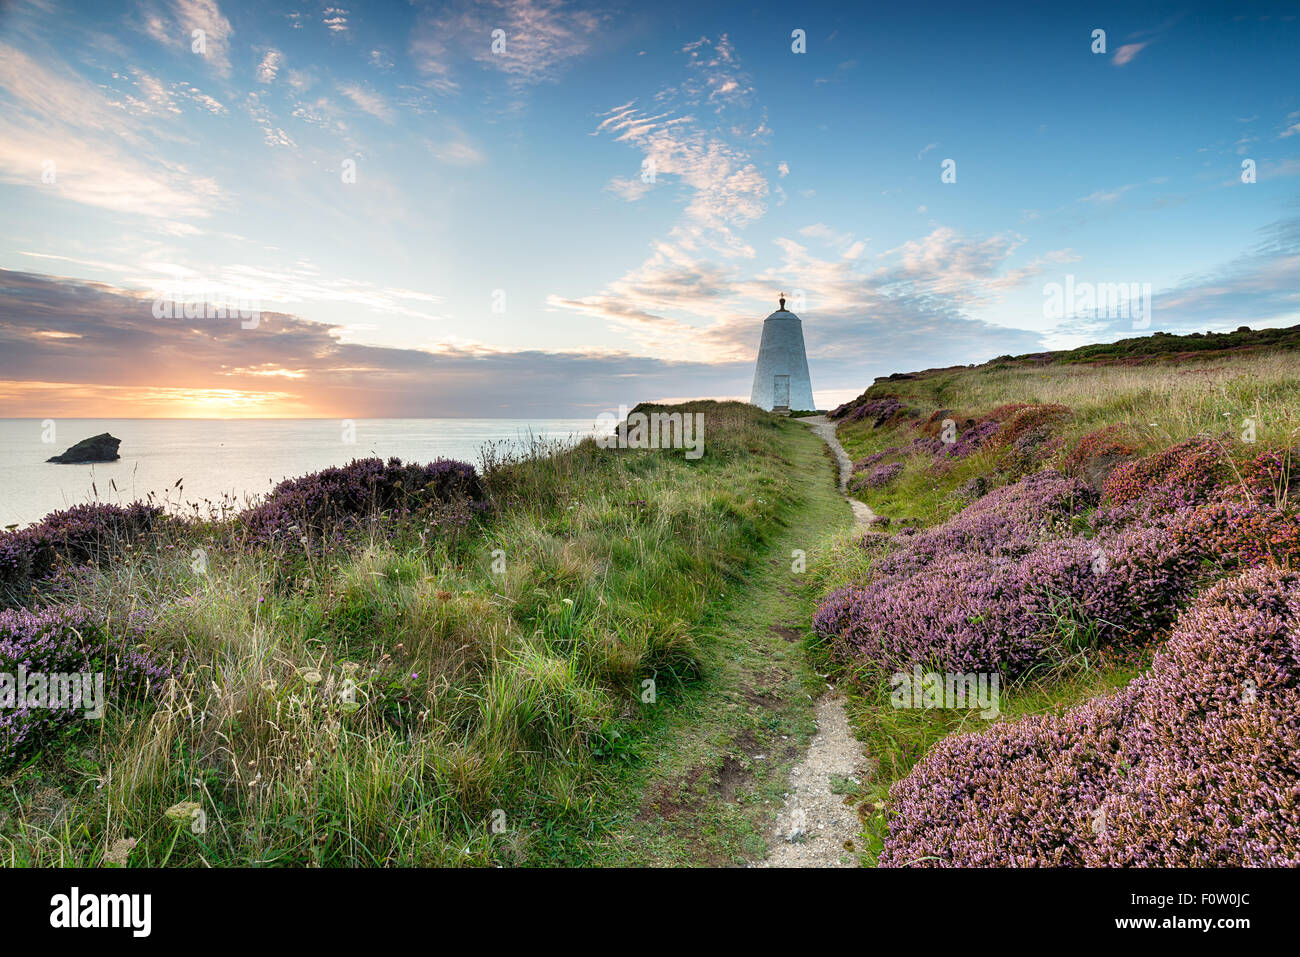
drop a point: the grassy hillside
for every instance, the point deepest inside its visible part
(386, 665)
(1054, 520)
(594, 656)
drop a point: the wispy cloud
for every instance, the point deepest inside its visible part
(538, 38)
(1127, 53)
(270, 65)
(455, 149)
(1106, 197)
(60, 134)
(368, 101)
(174, 25)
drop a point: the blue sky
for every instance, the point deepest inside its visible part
(500, 251)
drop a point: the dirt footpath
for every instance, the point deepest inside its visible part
(816, 828)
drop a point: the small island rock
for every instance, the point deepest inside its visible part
(97, 448)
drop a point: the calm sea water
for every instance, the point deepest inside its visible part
(233, 457)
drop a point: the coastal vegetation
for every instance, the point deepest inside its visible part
(1112, 532)
(587, 655)
(384, 663)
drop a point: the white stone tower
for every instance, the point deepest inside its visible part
(781, 380)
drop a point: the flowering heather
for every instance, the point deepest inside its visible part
(972, 438)
(987, 589)
(1010, 519)
(65, 640)
(967, 611)
(862, 464)
(881, 475)
(1108, 441)
(1004, 412)
(76, 534)
(333, 497)
(1244, 533)
(1271, 477)
(1028, 419)
(879, 411)
(968, 439)
(1193, 764)
(1194, 466)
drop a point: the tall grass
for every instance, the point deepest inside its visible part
(422, 696)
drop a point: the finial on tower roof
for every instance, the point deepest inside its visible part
(783, 302)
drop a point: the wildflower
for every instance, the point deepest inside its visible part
(183, 812)
(120, 851)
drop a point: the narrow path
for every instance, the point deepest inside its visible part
(817, 828)
(826, 429)
(719, 749)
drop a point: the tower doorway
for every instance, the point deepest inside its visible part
(781, 393)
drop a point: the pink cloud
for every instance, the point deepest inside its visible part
(1127, 53)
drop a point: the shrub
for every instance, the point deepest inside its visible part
(1236, 533)
(1270, 477)
(77, 534)
(986, 590)
(1004, 412)
(1194, 466)
(1008, 520)
(881, 475)
(1206, 739)
(879, 410)
(309, 506)
(1028, 419)
(965, 611)
(67, 640)
(875, 458)
(966, 440)
(1108, 442)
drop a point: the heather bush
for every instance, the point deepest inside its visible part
(78, 534)
(336, 497)
(1195, 466)
(862, 464)
(986, 590)
(1108, 441)
(65, 640)
(1192, 764)
(878, 410)
(965, 441)
(1008, 520)
(967, 611)
(879, 476)
(1270, 477)
(1027, 419)
(1236, 533)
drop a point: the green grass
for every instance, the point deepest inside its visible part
(714, 757)
(496, 711)
(499, 709)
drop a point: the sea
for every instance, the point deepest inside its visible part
(199, 464)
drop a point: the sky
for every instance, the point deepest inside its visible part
(536, 208)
